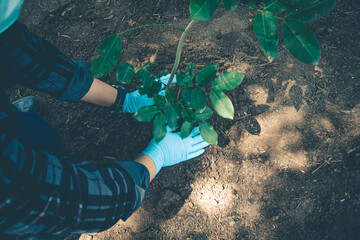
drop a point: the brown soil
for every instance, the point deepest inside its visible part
(296, 178)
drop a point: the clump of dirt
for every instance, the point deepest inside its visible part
(284, 168)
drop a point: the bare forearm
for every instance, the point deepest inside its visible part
(101, 94)
(148, 163)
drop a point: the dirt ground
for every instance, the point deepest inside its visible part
(284, 168)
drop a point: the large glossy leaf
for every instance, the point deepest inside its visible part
(301, 42)
(146, 114)
(155, 88)
(198, 99)
(177, 107)
(202, 10)
(111, 51)
(275, 6)
(170, 95)
(203, 115)
(208, 133)
(147, 80)
(125, 73)
(185, 79)
(310, 10)
(188, 115)
(172, 118)
(222, 104)
(186, 129)
(160, 101)
(266, 29)
(206, 75)
(230, 4)
(227, 81)
(186, 96)
(159, 130)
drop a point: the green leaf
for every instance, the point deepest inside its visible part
(140, 89)
(310, 10)
(186, 96)
(230, 4)
(301, 42)
(155, 89)
(275, 6)
(208, 133)
(147, 80)
(206, 75)
(227, 81)
(172, 118)
(266, 29)
(125, 73)
(170, 95)
(111, 51)
(161, 102)
(198, 99)
(186, 129)
(159, 130)
(188, 115)
(146, 114)
(185, 79)
(204, 115)
(177, 107)
(222, 104)
(202, 10)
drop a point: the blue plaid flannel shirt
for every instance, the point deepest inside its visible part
(42, 193)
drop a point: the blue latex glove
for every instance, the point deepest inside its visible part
(173, 149)
(134, 101)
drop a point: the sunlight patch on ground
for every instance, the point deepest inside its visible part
(258, 94)
(279, 137)
(241, 67)
(322, 127)
(212, 196)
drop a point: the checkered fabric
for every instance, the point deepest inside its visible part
(28, 59)
(43, 193)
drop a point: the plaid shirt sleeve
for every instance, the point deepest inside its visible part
(45, 194)
(30, 60)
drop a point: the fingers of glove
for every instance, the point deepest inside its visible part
(195, 132)
(162, 93)
(135, 94)
(195, 154)
(165, 80)
(201, 145)
(168, 129)
(197, 139)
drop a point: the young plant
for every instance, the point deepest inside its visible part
(187, 103)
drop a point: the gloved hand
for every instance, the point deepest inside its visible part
(134, 101)
(173, 149)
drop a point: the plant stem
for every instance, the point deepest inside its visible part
(150, 25)
(178, 52)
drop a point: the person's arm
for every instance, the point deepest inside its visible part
(101, 94)
(148, 163)
(44, 192)
(31, 61)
